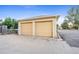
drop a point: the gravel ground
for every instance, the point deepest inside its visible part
(16, 44)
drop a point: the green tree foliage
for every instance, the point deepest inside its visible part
(8, 22)
(64, 25)
(11, 23)
(14, 24)
(73, 17)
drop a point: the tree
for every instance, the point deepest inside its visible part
(11, 23)
(73, 16)
(64, 25)
(7, 22)
(14, 24)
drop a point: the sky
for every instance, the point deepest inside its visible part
(26, 11)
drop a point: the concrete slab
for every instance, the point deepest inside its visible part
(15, 44)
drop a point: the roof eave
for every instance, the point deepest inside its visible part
(40, 18)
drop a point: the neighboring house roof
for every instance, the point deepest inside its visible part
(39, 17)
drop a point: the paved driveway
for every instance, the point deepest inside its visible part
(70, 36)
(16, 44)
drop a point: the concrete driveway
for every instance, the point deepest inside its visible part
(70, 36)
(15, 44)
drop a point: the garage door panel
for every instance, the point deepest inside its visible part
(26, 28)
(43, 28)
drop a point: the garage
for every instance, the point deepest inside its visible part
(26, 28)
(38, 26)
(44, 28)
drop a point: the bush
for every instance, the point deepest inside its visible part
(75, 27)
(64, 25)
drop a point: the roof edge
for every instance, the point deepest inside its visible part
(40, 17)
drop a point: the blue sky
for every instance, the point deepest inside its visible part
(27, 11)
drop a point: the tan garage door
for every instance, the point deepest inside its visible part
(26, 28)
(44, 28)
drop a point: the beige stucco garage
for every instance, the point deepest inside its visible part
(38, 26)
